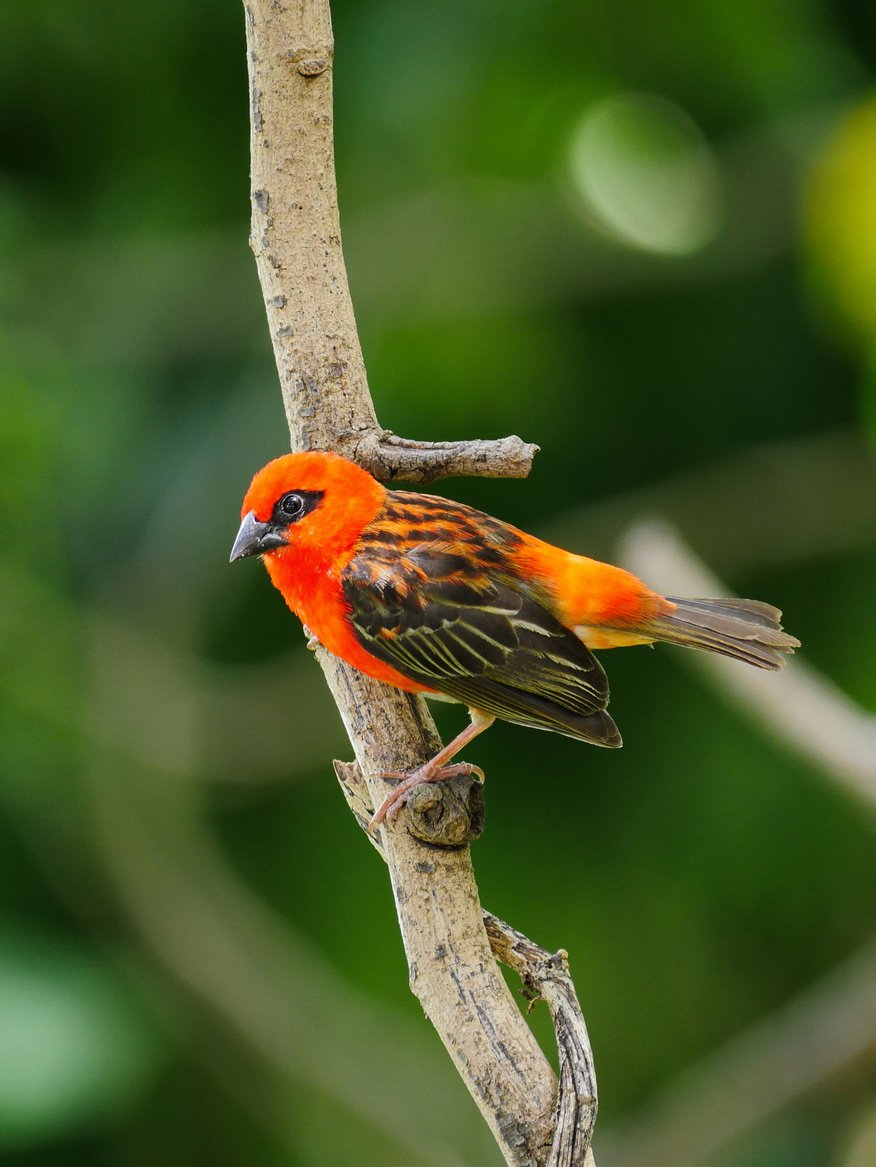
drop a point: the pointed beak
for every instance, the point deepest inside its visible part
(255, 538)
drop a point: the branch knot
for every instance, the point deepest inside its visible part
(312, 60)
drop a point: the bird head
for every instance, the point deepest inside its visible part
(312, 505)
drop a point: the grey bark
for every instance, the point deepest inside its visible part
(297, 243)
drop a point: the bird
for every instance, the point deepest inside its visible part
(438, 598)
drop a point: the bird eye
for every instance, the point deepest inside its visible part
(294, 505)
(290, 506)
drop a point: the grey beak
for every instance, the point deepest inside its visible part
(255, 538)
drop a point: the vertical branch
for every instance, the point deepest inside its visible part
(296, 234)
(296, 240)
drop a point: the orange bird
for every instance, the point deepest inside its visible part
(438, 598)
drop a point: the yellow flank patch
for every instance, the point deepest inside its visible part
(598, 638)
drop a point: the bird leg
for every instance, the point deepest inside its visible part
(437, 769)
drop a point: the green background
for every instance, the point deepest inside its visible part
(643, 236)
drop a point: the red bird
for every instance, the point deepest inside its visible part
(438, 598)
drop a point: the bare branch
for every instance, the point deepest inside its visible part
(231, 953)
(544, 974)
(387, 457)
(296, 240)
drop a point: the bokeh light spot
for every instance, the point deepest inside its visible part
(646, 174)
(840, 223)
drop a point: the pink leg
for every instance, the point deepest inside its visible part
(435, 770)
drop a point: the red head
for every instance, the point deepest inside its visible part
(306, 509)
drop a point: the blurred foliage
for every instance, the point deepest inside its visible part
(640, 235)
(842, 222)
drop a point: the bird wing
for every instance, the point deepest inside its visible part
(476, 638)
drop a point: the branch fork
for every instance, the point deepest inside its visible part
(389, 457)
(296, 239)
(544, 975)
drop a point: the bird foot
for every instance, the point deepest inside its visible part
(408, 782)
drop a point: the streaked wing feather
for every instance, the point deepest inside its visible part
(485, 642)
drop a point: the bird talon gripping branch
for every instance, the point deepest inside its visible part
(438, 598)
(422, 776)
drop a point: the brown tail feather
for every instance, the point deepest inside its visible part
(747, 630)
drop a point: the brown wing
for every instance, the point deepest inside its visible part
(436, 612)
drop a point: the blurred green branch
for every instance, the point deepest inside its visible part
(800, 1050)
(828, 1029)
(801, 708)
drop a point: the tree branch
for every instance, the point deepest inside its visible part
(544, 974)
(296, 240)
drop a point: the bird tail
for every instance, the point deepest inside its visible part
(747, 630)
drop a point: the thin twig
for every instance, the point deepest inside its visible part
(546, 975)
(389, 457)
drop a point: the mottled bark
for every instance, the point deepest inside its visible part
(297, 244)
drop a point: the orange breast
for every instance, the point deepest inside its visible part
(318, 601)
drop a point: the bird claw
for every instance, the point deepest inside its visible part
(408, 782)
